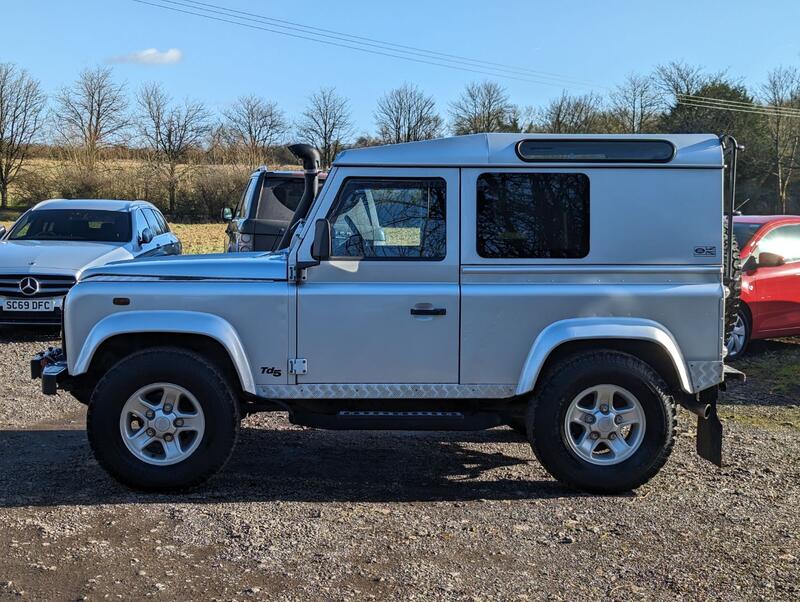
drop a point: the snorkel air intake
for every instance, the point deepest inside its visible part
(309, 156)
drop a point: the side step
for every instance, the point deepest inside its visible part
(381, 420)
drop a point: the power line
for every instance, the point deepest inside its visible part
(295, 26)
(735, 110)
(234, 20)
(735, 102)
(718, 103)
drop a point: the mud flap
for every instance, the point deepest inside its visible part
(709, 430)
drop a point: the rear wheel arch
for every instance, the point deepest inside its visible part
(650, 352)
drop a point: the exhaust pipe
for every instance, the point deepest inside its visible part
(309, 156)
(698, 408)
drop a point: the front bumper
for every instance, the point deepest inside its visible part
(51, 367)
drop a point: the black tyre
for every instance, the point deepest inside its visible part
(602, 422)
(518, 425)
(163, 420)
(739, 337)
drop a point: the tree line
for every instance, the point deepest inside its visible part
(102, 139)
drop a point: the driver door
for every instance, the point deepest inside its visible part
(385, 308)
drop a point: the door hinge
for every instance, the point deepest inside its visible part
(298, 366)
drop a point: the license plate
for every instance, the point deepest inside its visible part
(29, 305)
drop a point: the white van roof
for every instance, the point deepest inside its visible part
(691, 150)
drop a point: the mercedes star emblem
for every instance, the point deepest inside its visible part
(29, 286)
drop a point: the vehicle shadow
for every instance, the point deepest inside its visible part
(56, 468)
(28, 334)
(772, 367)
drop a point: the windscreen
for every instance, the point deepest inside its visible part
(743, 232)
(73, 224)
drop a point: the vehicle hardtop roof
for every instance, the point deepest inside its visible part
(285, 172)
(93, 204)
(765, 219)
(692, 150)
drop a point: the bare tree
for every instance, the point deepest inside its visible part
(484, 107)
(326, 123)
(169, 131)
(782, 89)
(635, 104)
(254, 125)
(406, 114)
(21, 106)
(678, 78)
(570, 115)
(91, 115)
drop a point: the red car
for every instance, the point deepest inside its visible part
(770, 253)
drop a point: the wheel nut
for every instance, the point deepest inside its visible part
(179, 422)
(612, 436)
(150, 414)
(151, 432)
(618, 420)
(168, 437)
(594, 435)
(604, 408)
(589, 419)
(167, 408)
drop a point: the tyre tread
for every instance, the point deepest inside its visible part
(553, 381)
(212, 371)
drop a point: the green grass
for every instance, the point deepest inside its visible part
(754, 416)
(778, 369)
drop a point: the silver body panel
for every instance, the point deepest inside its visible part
(350, 320)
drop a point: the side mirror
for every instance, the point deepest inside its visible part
(146, 237)
(770, 260)
(2, 232)
(321, 247)
(750, 264)
(227, 214)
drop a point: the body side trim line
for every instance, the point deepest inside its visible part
(590, 269)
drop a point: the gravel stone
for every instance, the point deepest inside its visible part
(302, 514)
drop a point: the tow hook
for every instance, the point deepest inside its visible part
(50, 366)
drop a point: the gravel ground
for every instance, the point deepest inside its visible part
(301, 514)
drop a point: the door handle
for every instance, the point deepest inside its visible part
(433, 311)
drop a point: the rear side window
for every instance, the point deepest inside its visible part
(279, 198)
(390, 219)
(533, 215)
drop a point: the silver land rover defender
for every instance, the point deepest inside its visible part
(574, 288)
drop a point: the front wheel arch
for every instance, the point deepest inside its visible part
(120, 346)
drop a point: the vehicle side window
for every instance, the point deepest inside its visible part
(279, 199)
(161, 221)
(390, 219)
(533, 215)
(152, 221)
(243, 208)
(783, 241)
(141, 223)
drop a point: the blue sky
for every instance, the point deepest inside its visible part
(588, 41)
